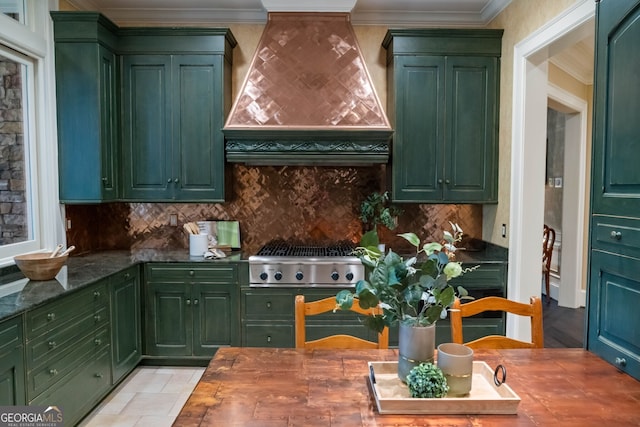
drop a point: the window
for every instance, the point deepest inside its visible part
(30, 216)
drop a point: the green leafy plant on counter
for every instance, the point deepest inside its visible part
(415, 291)
(427, 380)
(376, 209)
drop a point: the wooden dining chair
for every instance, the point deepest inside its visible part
(304, 309)
(532, 310)
(548, 240)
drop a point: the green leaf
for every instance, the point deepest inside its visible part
(411, 238)
(344, 299)
(367, 299)
(432, 247)
(369, 239)
(430, 267)
(375, 322)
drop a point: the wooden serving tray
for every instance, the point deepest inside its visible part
(392, 395)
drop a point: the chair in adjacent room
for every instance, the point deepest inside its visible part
(532, 310)
(304, 309)
(548, 240)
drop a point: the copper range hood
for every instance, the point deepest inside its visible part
(307, 98)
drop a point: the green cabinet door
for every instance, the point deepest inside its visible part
(126, 332)
(614, 295)
(86, 97)
(147, 141)
(470, 170)
(215, 322)
(443, 103)
(168, 319)
(616, 141)
(198, 163)
(418, 145)
(12, 368)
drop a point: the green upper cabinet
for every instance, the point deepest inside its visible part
(86, 94)
(175, 95)
(443, 104)
(140, 110)
(616, 141)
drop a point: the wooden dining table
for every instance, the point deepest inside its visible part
(273, 387)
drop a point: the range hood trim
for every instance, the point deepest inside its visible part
(305, 146)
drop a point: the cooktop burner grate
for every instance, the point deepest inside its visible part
(283, 248)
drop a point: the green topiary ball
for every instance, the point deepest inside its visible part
(427, 380)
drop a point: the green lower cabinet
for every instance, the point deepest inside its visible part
(192, 312)
(126, 329)
(614, 292)
(12, 389)
(268, 318)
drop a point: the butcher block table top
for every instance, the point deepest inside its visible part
(287, 387)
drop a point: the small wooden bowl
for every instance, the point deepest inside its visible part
(39, 266)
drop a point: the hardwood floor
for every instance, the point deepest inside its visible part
(563, 327)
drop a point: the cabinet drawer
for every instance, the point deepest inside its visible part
(258, 335)
(226, 273)
(621, 235)
(81, 390)
(487, 276)
(66, 363)
(60, 339)
(10, 334)
(268, 305)
(59, 312)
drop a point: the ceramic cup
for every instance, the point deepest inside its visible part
(198, 244)
(456, 363)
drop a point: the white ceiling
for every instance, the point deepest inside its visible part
(577, 59)
(384, 12)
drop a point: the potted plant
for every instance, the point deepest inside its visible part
(413, 293)
(376, 210)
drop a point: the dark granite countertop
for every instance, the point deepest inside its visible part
(19, 294)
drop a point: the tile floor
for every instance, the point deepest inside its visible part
(149, 396)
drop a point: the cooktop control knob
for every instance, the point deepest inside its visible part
(278, 275)
(349, 276)
(264, 275)
(299, 275)
(335, 275)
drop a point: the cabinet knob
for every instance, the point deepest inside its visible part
(621, 361)
(104, 179)
(51, 316)
(616, 235)
(52, 344)
(127, 275)
(268, 338)
(97, 317)
(440, 181)
(188, 302)
(446, 181)
(53, 372)
(169, 181)
(176, 180)
(96, 294)
(268, 304)
(97, 341)
(192, 273)
(195, 302)
(98, 375)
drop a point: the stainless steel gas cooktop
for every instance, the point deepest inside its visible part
(284, 264)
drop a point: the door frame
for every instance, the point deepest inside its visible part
(528, 151)
(574, 200)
